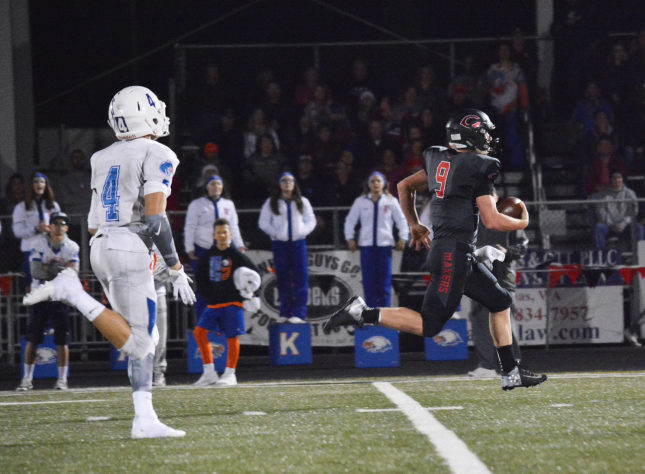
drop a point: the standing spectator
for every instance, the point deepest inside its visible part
(587, 108)
(345, 183)
(207, 103)
(599, 175)
(231, 143)
(389, 168)
(408, 107)
(615, 211)
(74, 192)
(324, 148)
(309, 181)
(50, 254)
(602, 129)
(212, 161)
(527, 60)
(430, 94)
(198, 231)
(288, 218)
(10, 255)
(31, 216)
(221, 276)
(304, 92)
(376, 211)
(373, 146)
(510, 99)
(431, 129)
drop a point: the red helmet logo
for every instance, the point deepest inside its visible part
(471, 121)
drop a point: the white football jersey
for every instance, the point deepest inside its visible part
(122, 174)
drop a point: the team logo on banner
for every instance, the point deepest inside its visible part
(448, 338)
(45, 355)
(377, 344)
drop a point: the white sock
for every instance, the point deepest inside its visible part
(143, 404)
(86, 305)
(209, 369)
(229, 370)
(62, 372)
(28, 371)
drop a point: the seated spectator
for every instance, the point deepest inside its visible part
(414, 158)
(230, 143)
(592, 103)
(599, 175)
(320, 108)
(311, 186)
(255, 128)
(213, 164)
(358, 83)
(408, 107)
(432, 131)
(389, 168)
(428, 90)
(365, 113)
(372, 147)
(345, 183)
(602, 128)
(392, 128)
(304, 92)
(616, 210)
(263, 168)
(471, 83)
(324, 149)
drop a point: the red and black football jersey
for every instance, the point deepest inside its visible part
(455, 181)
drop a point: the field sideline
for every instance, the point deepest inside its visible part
(575, 422)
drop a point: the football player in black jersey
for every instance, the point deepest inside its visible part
(461, 179)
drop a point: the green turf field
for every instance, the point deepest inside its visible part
(572, 423)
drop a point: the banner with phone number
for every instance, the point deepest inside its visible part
(575, 315)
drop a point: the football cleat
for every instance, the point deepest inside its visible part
(227, 380)
(25, 386)
(153, 428)
(296, 320)
(60, 384)
(206, 379)
(520, 377)
(60, 288)
(350, 314)
(158, 379)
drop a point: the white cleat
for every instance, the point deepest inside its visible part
(25, 386)
(60, 288)
(153, 428)
(227, 380)
(296, 320)
(60, 384)
(206, 380)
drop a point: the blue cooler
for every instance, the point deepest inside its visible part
(46, 358)
(450, 344)
(220, 352)
(376, 346)
(290, 344)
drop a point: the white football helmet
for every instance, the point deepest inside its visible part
(136, 112)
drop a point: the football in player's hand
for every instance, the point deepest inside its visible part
(510, 206)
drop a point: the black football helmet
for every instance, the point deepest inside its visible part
(471, 129)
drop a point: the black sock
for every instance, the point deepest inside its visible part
(506, 359)
(371, 315)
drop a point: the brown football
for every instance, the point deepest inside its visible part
(510, 206)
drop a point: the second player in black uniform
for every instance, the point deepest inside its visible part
(461, 179)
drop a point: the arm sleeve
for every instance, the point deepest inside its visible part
(161, 233)
(351, 220)
(399, 220)
(21, 228)
(190, 226)
(235, 227)
(264, 221)
(308, 217)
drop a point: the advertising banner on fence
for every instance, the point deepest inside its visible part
(575, 315)
(334, 276)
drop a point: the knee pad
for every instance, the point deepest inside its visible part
(143, 345)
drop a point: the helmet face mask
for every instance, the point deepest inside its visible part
(135, 112)
(471, 130)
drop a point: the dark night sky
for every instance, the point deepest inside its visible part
(73, 41)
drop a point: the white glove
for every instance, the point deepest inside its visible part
(181, 286)
(246, 281)
(490, 254)
(252, 305)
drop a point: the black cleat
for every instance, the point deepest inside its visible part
(350, 314)
(520, 377)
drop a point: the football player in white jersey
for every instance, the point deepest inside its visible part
(130, 184)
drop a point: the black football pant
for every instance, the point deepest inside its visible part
(454, 271)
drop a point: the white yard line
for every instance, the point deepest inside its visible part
(52, 402)
(453, 450)
(375, 410)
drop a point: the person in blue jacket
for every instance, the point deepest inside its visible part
(288, 218)
(377, 211)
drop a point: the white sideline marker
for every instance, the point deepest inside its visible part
(5, 404)
(453, 450)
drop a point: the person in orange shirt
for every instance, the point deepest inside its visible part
(227, 279)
